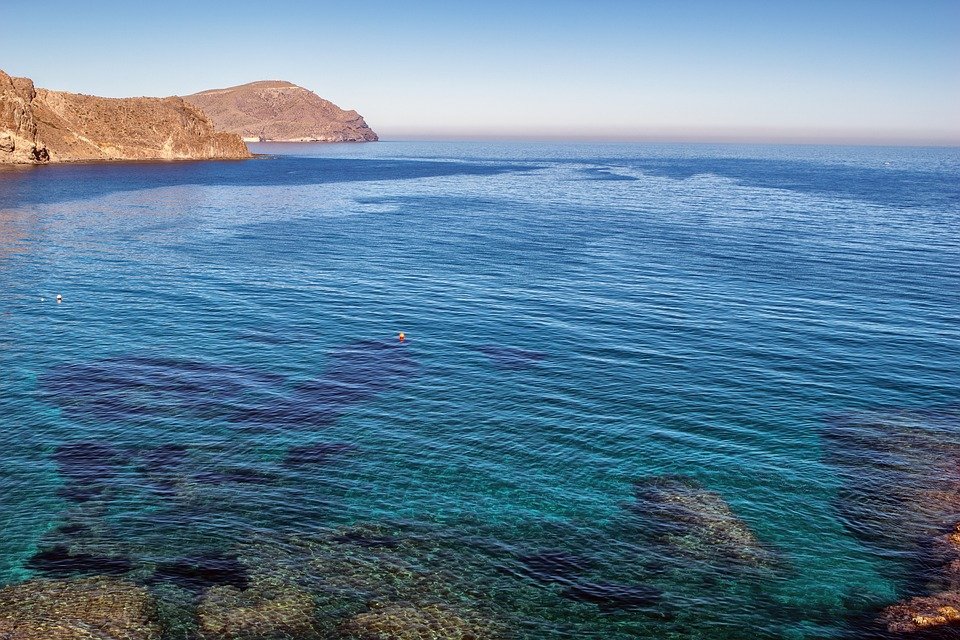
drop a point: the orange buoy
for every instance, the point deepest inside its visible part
(402, 336)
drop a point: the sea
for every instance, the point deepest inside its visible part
(644, 391)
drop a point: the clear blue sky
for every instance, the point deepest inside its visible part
(865, 70)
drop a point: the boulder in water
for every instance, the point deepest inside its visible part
(938, 612)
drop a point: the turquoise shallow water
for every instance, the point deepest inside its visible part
(646, 391)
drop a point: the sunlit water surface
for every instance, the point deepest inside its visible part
(646, 392)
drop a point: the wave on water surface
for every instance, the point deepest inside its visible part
(647, 391)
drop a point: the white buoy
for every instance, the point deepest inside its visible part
(59, 298)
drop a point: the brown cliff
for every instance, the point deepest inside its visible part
(18, 128)
(39, 126)
(281, 111)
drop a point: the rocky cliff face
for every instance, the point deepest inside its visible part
(281, 111)
(18, 128)
(38, 126)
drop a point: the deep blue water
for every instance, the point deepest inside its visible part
(647, 391)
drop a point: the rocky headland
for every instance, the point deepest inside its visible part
(276, 110)
(38, 126)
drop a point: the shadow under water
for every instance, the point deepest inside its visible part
(354, 373)
(132, 388)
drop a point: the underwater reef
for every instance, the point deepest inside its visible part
(96, 608)
(399, 622)
(682, 515)
(158, 540)
(280, 611)
(901, 498)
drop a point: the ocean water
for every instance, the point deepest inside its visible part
(646, 391)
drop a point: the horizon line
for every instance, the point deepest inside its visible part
(879, 141)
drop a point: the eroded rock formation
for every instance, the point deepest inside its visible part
(281, 111)
(39, 126)
(18, 128)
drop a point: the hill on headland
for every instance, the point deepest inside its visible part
(280, 111)
(39, 126)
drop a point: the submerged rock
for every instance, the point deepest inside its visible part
(403, 622)
(88, 462)
(81, 492)
(901, 477)
(369, 567)
(88, 468)
(91, 608)
(162, 466)
(679, 512)
(939, 612)
(571, 571)
(71, 528)
(236, 475)
(227, 613)
(345, 568)
(160, 459)
(369, 366)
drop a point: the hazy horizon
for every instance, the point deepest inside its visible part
(692, 138)
(814, 72)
